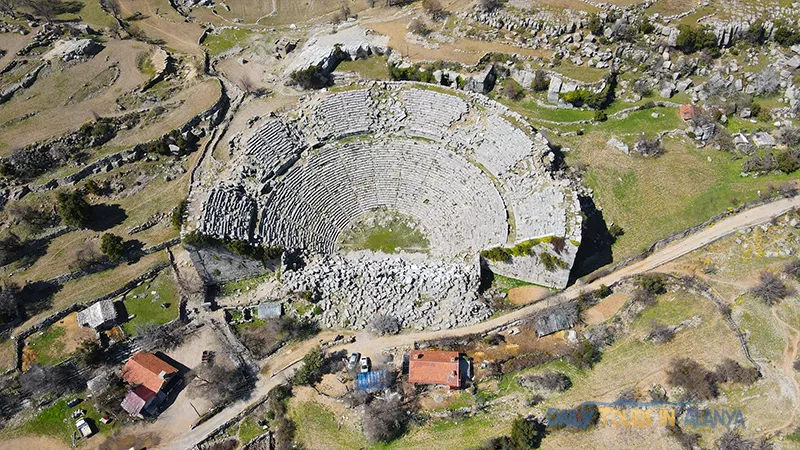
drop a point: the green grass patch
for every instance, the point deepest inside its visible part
(249, 430)
(642, 122)
(372, 68)
(253, 323)
(387, 232)
(671, 309)
(56, 421)
(232, 287)
(650, 198)
(226, 39)
(316, 423)
(49, 346)
(93, 14)
(504, 284)
(764, 340)
(148, 307)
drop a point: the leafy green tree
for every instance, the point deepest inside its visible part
(310, 372)
(692, 39)
(112, 246)
(73, 208)
(527, 433)
(596, 25)
(540, 81)
(512, 90)
(786, 36)
(178, 213)
(788, 160)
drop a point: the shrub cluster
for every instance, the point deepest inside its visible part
(691, 39)
(594, 100)
(411, 73)
(241, 248)
(701, 383)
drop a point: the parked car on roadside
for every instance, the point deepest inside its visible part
(84, 428)
(352, 363)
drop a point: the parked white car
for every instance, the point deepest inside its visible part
(84, 428)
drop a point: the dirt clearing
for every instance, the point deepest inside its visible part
(526, 294)
(605, 309)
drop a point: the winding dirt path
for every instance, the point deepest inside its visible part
(792, 336)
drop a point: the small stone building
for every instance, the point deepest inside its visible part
(99, 316)
(269, 310)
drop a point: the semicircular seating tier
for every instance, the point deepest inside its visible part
(456, 204)
(273, 147)
(228, 213)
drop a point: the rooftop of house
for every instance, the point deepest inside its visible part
(148, 370)
(136, 399)
(688, 111)
(97, 314)
(434, 367)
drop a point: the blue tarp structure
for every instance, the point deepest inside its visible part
(372, 381)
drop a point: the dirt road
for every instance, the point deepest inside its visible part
(285, 363)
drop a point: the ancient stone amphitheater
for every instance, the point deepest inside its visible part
(471, 174)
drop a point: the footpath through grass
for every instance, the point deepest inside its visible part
(372, 68)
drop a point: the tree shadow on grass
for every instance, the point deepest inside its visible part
(105, 217)
(134, 251)
(38, 296)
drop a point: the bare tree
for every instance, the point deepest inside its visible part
(35, 218)
(384, 419)
(87, 259)
(111, 6)
(487, 5)
(221, 385)
(9, 7)
(10, 303)
(434, 8)
(417, 26)
(648, 147)
(153, 336)
(792, 268)
(789, 136)
(41, 381)
(10, 247)
(766, 82)
(732, 441)
(693, 377)
(770, 288)
(247, 84)
(661, 333)
(385, 324)
(46, 9)
(548, 381)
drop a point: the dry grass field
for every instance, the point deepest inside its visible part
(162, 23)
(463, 50)
(67, 97)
